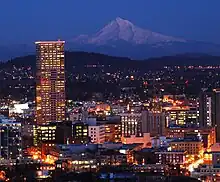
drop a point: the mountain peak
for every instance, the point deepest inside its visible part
(120, 20)
(123, 30)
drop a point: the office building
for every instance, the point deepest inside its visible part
(53, 133)
(112, 158)
(153, 122)
(170, 157)
(208, 135)
(131, 124)
(80, 133)
(97, 133)
(216, 112)
(112, 131)
(191, 146)
(50, 83)
(181, 115)
(10, 141)
(205, 108)
(145, 140)
(27, 127)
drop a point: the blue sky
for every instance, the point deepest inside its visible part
(24, 21)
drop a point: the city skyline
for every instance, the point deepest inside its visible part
(112, 90)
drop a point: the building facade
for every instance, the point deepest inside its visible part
(131, 124)
(53, 133)
(50, 83)
(112, 132)
(170, 157)
(182, 115)
(205, 108)
(208, 134)
(153, 122)
(215, 112)
(97, 133)
(10, 141)
(80, 133)
(192, 147)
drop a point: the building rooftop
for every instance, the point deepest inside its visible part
(49, 42)
(130, 146)
(111, 152)
(186, 140)
(6, 120)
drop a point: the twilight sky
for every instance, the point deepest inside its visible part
(24, 21)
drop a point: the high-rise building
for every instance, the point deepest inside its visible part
(216, 112)
(131, 124)
(154, 122)
(10, 141)
(50, 83)
(205, 108)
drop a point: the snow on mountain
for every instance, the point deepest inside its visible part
(123, 30)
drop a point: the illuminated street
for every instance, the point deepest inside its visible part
(194, 165)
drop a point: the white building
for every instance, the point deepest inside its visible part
(18, 108)
(131, 124)
(97, 133)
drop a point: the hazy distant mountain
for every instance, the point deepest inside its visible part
(12, 51)
(122, 38)
(123, 30)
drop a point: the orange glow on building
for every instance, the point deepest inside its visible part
(50, 83)
(145, 140)
(2, 175)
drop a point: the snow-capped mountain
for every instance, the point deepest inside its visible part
(123, 30)
(122, 38)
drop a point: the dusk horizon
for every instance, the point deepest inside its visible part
(120, 90)
(27, 22)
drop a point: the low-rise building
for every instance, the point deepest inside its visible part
(10, 141)
(152, 168)
(207, 173)
(191, 146)
(112, 131)
(97, 133)
(53, 133)
(80, 133)
(112, 158)
(170, 157)
(180, 114)
(207, 134)
(145, 140)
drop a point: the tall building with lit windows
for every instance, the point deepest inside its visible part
(131, 124)
(50, 83)
(215, 109)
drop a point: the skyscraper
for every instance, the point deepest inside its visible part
(205, 113)
(10, 140)
(50, 83)
(154, 122)
(216, 112)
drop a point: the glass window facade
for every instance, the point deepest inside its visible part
(50, 83)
